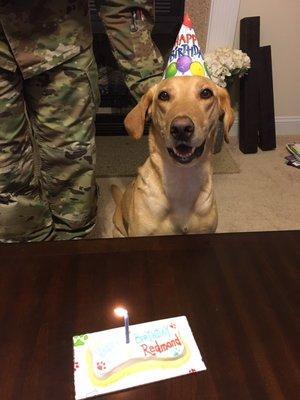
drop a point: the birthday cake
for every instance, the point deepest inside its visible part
(104, 362)
(156, 348)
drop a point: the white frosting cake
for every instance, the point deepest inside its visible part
(158, 350)
(160, 345)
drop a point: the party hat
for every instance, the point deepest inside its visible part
(186, 58)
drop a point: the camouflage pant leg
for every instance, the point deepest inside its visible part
(62, 107)
(24, 216)
(132, 45)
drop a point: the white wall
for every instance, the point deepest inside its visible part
(280, 28)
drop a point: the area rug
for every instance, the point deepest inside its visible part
(120, 156)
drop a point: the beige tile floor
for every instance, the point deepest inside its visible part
(264, 196)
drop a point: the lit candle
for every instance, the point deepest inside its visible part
(121, 312)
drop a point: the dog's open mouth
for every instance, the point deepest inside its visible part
(185, 154)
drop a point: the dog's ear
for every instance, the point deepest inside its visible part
(226, 112)
(135, 119)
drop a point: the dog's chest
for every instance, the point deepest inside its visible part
(191, 202)
(183, 189)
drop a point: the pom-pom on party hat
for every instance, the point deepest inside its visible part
(186, 58)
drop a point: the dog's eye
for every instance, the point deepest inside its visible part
(164, 96)
(206, 94)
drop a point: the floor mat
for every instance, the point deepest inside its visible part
(121, 156)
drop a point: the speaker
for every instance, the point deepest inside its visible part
(249, 88)
(267, 131)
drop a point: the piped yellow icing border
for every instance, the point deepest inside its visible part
(139, 366)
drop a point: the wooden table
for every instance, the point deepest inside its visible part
(240, 293)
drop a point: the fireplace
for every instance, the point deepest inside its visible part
(116, 99)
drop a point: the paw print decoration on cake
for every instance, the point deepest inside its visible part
(101, 366)
(80, 340)
(192, 371)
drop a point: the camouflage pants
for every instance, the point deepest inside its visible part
(56, 111)
(131, 42)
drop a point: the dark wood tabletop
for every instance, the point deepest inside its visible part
(240, 293)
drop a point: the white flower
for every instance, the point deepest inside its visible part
(225, 62)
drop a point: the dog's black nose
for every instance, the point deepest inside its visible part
(182, 128)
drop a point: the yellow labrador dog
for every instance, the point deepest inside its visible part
(173, 190)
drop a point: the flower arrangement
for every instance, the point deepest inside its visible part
(224, 64)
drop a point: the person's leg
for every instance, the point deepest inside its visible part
(62, 104)
(24, 216)
(130, 37)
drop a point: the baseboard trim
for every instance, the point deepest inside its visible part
(285, 125)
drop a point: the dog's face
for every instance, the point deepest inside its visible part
(185, 112)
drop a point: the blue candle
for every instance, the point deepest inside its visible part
(121, 312)
(126, 322)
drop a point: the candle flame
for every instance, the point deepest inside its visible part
(121, 312)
